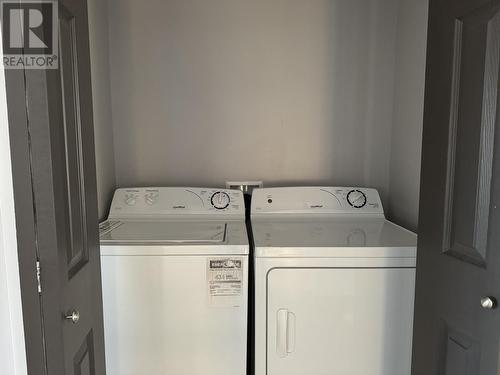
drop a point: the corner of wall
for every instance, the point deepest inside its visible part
(101, 93)
(407, 121)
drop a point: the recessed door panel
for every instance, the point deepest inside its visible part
(475, 78)
(461, 354)
(339, 321)
(76, 244)
(84, 359)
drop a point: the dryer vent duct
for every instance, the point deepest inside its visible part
(247, 188)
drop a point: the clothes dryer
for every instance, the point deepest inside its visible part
(334, 283)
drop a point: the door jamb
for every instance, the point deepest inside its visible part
(25, 220)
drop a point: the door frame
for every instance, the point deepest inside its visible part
(15, 83)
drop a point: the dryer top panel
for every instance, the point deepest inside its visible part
(179, 203)
(315, 201)
(334, 237)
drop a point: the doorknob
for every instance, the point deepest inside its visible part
(488, 303)
(73, 316)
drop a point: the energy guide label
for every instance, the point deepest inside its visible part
(225, 277)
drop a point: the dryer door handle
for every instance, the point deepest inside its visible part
(285, 332)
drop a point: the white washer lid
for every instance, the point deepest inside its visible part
(162, 232)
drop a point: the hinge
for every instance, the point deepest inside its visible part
(38, 276)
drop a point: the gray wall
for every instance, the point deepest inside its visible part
(408, 112)
(105, 156)
(287, 91)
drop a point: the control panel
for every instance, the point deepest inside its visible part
(316, 200)
(165, 202)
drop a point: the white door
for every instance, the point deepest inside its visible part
(338, 321)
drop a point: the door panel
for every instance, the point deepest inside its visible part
(76, 187)
(60, 127)
(76, 244)
(84, 361)
(358, 322)
(458, 252)
(476, 57)
(462, 354)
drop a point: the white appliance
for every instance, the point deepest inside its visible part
(174, 280)
(334, 283)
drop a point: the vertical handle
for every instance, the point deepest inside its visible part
(281, 334)
(285, 332)
(290, 333)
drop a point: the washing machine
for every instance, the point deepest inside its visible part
(334, 283)
(174, 282)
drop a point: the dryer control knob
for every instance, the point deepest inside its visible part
(356, 198)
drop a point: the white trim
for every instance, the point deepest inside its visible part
(12, 344)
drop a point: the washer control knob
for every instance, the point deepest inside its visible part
(151, 198)
(130, 200)
(220, 200)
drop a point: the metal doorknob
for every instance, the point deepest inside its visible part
(73, 316)
(488, 303)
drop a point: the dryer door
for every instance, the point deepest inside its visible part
(326, 321)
